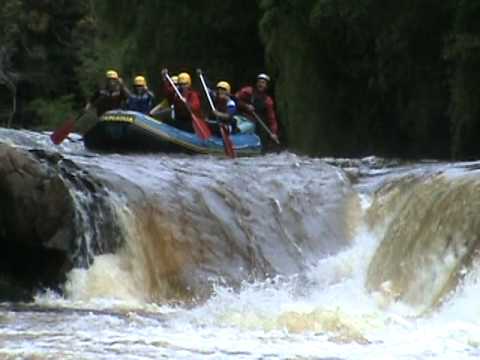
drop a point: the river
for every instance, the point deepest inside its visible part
(274, 257)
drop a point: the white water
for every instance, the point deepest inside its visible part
(325, 313)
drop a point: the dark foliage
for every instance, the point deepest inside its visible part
(351, 77)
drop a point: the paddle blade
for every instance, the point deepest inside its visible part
(62, 132)
(201, 127)
(227, 142)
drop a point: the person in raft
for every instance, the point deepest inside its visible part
(112, 95)
(164, 110)
(253, 101)
(183, 111)
(226, 110)
(140, 99)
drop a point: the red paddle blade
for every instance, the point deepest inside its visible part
(62, 132)
(201, 128)
(227, 142)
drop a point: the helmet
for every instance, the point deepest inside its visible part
(184, 78)
(224, 85)
(140, 81)
(175, 79)
(111, 74)
(263, 76)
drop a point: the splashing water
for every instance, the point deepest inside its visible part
(319, 280)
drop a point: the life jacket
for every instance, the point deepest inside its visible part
(258, 101)
(263, 104)
(226, 105)
(106, 100)
(193, 100)
(140, 102)
(248, 95)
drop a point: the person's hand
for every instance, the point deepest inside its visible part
(250, 108)
(164, 72)
(275, 138)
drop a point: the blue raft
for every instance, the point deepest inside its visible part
(130, 131)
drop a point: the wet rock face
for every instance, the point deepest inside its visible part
(36, 217)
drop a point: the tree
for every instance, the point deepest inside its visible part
(8, 79)
(9, 32)
(357, 77)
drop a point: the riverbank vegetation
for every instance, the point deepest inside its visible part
(351, 78)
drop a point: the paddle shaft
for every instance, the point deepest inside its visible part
(82, 114)
(207, 93)
(265, 127)
(201, 129)
(172, 84)
(227, 142)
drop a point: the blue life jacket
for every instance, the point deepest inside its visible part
(141, 102)
(231, 107)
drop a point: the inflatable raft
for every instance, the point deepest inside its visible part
(130, 131)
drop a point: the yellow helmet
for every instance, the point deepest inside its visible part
(140, 81)
(175, 79)
(111, 74)
(184, 78)
(224, 85)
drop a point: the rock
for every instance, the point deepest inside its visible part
(36, 222)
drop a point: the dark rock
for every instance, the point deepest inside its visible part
(36, 229)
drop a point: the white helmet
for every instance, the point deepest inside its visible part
(263, 77)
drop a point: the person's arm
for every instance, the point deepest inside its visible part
(156, 108)
(151, 98)
(168, 91)
(243, 97)
(93, 100)
(124, 89)
(224, 117)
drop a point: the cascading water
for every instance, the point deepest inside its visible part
(275, 257)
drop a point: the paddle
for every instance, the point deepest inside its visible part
(272, 136)
(227, 141)
(62, 132)
(201, 128)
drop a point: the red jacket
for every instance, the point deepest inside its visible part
(193, 101)
(263, 104)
